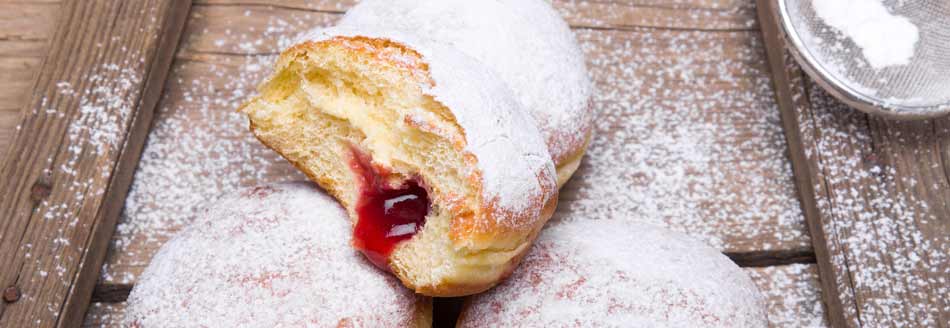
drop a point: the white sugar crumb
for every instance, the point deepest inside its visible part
(893, 253)
(271, 256)
(885, 39)
(199, 147)
(793, 295)
(691, 141)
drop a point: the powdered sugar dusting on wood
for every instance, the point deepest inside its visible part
(199, 147)
(688, 136)
(105, 98)
(793, 295)
(889, 249)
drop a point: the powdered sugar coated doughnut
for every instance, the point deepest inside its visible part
(614, 274)
(525, 42)
(274, 256)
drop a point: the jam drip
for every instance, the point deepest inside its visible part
(387, 215)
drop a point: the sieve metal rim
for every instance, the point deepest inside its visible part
(838, 87)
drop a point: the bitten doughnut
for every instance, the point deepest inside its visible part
(273, 256)
(446, 178)
(614, 274)
(524, 41)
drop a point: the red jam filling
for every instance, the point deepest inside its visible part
(387, 215)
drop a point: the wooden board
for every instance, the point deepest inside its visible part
(688, 137)
(793, 295)
(611, 14)
(24, 32)
(876, 195)
(73, 153)
(222, 60)
(104, 315)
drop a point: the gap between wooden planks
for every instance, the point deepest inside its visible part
(71, 159)
(876, 195)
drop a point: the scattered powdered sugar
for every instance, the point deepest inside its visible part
(792, 293)
(272, 256)
(687, 136)
(617, 274)
(104, 97)
(888, 245)
(199, 147)
(886, 39)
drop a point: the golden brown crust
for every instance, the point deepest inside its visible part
(569, 164)
(455, 290)
(386, 51)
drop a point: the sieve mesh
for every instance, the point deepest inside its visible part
(921, 87)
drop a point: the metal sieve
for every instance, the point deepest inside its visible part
(917, 90)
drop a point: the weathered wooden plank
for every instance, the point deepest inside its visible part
(659, 14)
(688, 137)
(27, 20)
(199, 148)
(241, 30)
(877, 200)
(792, 293)
(24, 31)
(104, 315)
(611, 14)
(74, 152)
(16, 76)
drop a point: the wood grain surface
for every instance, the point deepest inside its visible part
(793, 295)
(876, 194)
(25, 29)
(683, 86)
(104, 315)
(72, 155)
